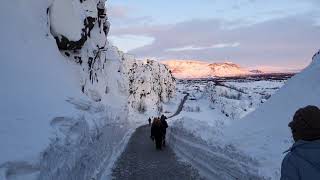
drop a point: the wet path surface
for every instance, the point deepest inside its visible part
(141, 160)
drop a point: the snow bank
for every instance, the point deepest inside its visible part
(198, 136)
(65, 114)
(212, 160)
(264, 134)
(36, 80)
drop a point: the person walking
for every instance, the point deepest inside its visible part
(157, 133)
(149, 120)
(303, 159)
(164, 126)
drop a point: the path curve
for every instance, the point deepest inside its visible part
(140, 160)
(180, 107)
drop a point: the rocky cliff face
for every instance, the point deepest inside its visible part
(65, 91)
(80, 28)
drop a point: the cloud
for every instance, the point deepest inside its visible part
(124, 16)
(286, 41)
(215, 46)
(119, 11)
(129, 42)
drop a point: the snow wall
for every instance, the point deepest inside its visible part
(264, 134)
(67, 95)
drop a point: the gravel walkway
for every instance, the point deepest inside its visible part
(141, 161)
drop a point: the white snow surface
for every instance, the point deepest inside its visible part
(36, 80)
(264, 134)
(197, 134)
(61, 113)
(66, 18)
(233, 129)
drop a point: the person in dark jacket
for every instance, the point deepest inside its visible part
(149, 120)
(303, 160)
(164, 126)
(157, 133)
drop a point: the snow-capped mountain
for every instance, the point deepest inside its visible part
(199, 69)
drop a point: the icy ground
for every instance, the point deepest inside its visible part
(69, 99)
(141, 160)
(197, 133)
(195, 137)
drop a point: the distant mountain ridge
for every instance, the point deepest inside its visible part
(199, 69)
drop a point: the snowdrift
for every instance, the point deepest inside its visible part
(65, 99)
(35, 80)
(264, 134)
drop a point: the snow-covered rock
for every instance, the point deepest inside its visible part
(72, 21)
(66, 19)
(65, 90)
(264, 134)
(199, 69)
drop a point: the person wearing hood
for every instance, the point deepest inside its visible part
(303, 160)
(164, 126)
(157, 133)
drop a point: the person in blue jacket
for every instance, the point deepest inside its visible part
(303, 159)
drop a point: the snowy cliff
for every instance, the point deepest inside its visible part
(105, 70)
(264, 134)
(65, 90)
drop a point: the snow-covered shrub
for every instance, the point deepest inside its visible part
(231, 102)
(191, 108)
(151, 82)
(141, 107)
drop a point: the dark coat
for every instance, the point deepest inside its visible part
(156, 131)
(302, 162)
(164, 123)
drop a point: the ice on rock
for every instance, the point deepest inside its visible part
(66, 108)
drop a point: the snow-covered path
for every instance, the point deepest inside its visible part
(180, 107)
(141, 160)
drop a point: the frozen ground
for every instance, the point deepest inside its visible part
(141, 160)
(264, 134)
(197, 134)
(68, 107)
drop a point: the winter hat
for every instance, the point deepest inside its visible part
(306, 124)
